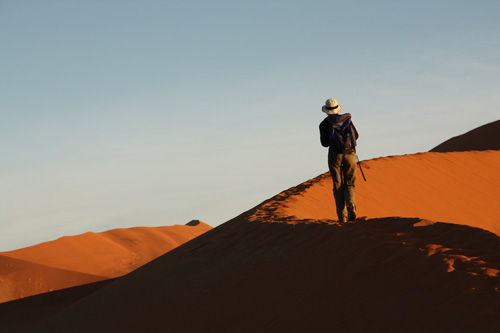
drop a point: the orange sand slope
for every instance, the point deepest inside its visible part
(89, 257)
(286, 265)
(20, 278)
(458, 187)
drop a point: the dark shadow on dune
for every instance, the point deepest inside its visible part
(486, 137)
(474, 250)
(389, 274)
(461, 247)
(21, 314)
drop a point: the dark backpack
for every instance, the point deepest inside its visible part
(342, 136)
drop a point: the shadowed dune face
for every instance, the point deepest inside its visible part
(21, 314)
(389, 274)
(76, 260)
(287, 265)
(458, 187)
(486, 137)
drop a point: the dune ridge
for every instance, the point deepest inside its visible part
(111, 253)
(486, 137)
(20, 278)
(89, 257)
(423, 257)
(259, 276)
(457, 187)
(287, 265)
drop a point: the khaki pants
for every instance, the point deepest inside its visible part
(343, 171)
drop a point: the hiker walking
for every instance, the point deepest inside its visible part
(338, 132)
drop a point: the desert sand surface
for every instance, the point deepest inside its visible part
(457, 187)
(280, 267)
(21, 314)
(20, 278)
(75, 260)
(424, 257)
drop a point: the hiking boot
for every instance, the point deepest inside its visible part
(351, 214)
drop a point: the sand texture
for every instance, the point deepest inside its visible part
(458, 187)
(284, 267)
(423, 256)
(86, 258)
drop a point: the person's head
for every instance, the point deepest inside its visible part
(331, 106)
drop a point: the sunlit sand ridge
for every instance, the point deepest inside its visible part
(423, 258)
(76, 260)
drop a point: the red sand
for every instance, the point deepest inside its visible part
(459, 187)
(21, 278)
(287, 266)
(280, 267)
(76, 260)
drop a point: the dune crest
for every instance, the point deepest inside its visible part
(87, 258)
(287, 265)
(20, 278)
(313, 276)
(486, 137)
(422, 257)
(457, 187)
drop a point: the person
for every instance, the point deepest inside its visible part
(339, 134)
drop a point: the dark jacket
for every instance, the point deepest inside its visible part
(339, 120)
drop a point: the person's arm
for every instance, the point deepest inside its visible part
(356, 135)
(324, 134)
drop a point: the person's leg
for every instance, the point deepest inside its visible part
(349, 170)
(334, 164)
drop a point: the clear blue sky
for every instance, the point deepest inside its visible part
(144, 113)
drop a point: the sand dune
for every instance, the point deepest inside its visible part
(458, 187)
(20, 278)
(377, 275)
(287, 266)
(111, 253)
(21, 314)
(486, 137)
(75, 260)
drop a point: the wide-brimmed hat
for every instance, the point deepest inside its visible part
(331, 106)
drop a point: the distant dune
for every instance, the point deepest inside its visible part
(286, 265)
(21, 278)
(486, 137)
(76, 260)
(423, 257)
